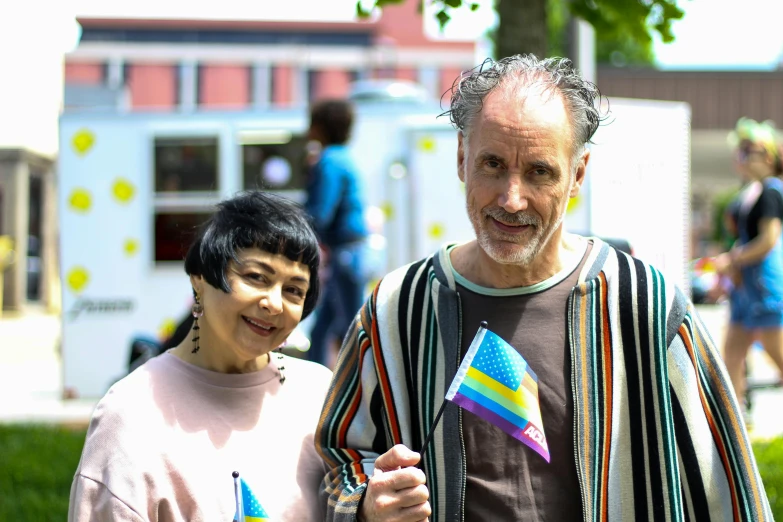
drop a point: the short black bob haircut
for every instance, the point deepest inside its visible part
(334, 118)
(257, 219)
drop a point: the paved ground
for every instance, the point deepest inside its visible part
(31, 374)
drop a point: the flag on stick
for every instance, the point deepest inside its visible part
(248, 509)
(495, 383)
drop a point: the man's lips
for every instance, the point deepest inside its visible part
(509, 229)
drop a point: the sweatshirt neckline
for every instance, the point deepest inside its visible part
(270, 373)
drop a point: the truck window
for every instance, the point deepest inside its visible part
(274, 166)
(174, 232)
(186, 190)
(186, 164)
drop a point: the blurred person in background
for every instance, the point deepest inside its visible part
(164, 442)
(755, 262)
(335, 202)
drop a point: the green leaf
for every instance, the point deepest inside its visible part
(443, 18)
(360, 12)
(474, 7)
(453, 3)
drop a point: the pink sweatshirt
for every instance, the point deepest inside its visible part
(164, 441)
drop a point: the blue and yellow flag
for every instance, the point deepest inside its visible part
(249, 509)
(495, 382)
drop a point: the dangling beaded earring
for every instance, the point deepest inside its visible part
(197, 310)
(280, 367)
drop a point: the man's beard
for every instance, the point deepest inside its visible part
(505, 248)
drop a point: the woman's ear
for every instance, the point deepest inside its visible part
(197, 282)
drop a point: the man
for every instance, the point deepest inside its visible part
(334, 200)
(639, 416)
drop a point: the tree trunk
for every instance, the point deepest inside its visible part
(522, 28)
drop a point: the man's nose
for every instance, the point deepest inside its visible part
(513, 197)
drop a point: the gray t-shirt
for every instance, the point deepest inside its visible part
(506, 480)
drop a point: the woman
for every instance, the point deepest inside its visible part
(755, 263)
(164, 442)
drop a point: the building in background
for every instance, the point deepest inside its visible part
(188, 65)
(717, 99)
(185, 65)
(28, 217)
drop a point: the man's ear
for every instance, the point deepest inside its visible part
(461, 156)
(579, 174)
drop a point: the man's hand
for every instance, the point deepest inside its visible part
(396, 492)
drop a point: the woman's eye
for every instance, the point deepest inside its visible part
(255, 276)
(297, 291)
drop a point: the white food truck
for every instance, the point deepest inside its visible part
(132, 187)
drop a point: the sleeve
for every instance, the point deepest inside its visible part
(719, 476)
(770, 204)
(350, 433)
(323, 193)
(91, 501)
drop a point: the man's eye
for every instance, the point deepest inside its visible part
(494, 164)
(540, 172)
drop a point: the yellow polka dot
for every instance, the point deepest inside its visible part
(123, 190)
(388, 210)
(436, 230)
(427, 144)
(131, 247)
(83, 141)
(573, 203)
(77, 279)
(167, 328)
(80, 200)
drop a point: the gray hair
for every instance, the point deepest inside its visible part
(580, 96)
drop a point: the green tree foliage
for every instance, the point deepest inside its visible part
(624, 28)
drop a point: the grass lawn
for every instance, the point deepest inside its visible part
(37, 464)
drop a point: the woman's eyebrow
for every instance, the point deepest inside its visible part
(268, 268)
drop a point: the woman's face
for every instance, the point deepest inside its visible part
(265, 305)
(753, 161)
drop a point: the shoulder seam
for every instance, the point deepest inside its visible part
(104, 486)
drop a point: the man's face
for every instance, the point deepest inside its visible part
(518, 175)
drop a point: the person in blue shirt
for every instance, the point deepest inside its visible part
(335, 203)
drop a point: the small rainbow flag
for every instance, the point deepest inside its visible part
(495, 383)
(248, 508)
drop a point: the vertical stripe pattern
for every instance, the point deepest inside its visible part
(657, 432)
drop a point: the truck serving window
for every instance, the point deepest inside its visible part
(186, 164)
(174, 232)
(186, 170)
(274, 166)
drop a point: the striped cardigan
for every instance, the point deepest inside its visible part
(658, 435)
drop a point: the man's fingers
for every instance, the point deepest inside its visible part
(397, 457)
(414, 496)
(420, 512)
(398, 480)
